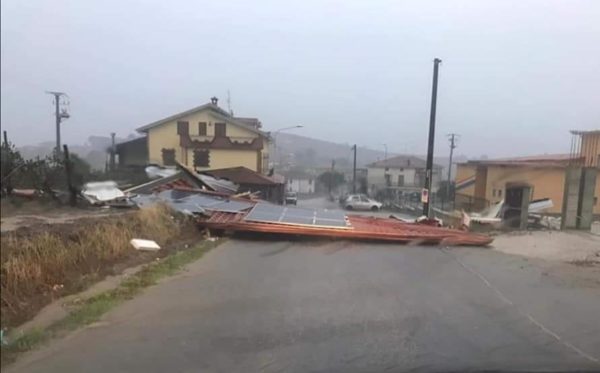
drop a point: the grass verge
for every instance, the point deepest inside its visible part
(93, 308)
(41, 263)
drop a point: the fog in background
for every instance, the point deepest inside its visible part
(515, 77)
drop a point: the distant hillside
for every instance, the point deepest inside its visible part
(304, 151)
(93, 151)
(308, 152)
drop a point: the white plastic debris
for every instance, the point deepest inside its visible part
(145, 245)
(155, 172)
(102, 191)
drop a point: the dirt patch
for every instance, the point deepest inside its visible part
(44, 262)
(565, 246)
(19, 213)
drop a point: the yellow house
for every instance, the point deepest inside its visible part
(208, 137)
(483, 182)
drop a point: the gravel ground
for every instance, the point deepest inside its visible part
(566, 246)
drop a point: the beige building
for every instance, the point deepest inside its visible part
(480, 183)
(208, 137)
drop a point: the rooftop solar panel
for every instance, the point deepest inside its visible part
(230, 206)
(268, 213)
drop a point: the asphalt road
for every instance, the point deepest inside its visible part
(280, 306)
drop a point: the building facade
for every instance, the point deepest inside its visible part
(480, 183)
(208, 137)
(403, 172)
(300, 185)
(132, 153)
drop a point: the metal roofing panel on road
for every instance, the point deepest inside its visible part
(267, 213)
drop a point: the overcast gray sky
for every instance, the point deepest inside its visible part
(515, 77)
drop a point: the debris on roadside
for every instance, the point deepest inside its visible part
(493, 216)
(154, 172)
(103, 192)
(274, 219)
(26, 193)
(144, 245)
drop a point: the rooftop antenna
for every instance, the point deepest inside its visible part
(229, 103)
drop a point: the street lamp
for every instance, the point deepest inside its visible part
(276, 132)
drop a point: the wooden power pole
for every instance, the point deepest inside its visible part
(354, 171)
(429, 170)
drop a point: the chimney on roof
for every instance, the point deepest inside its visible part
(214, 100)
(408, 162)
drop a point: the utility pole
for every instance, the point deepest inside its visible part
(229, 103)
(385, 157)
(354, 171)
(69, 174)
(113, 150)
(453, 137)
(331, 175)
(58, 115)
(429, 171)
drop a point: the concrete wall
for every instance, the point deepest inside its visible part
(165, 136)
(587, 197)
(570, 200)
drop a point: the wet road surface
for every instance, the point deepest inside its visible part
(314, 306)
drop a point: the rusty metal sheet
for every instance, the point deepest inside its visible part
(359, 227)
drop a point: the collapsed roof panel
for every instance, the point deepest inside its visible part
(356, 227)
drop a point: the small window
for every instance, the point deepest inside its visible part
(364, 199)
(493, 192)
(201, 158)
(183, 128)
(499, 192)
(168, 157)
(220, 130)
(201, 128)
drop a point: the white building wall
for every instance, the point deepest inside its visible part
(376, 176)
(300, 186)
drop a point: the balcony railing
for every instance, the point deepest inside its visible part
(240, 139)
